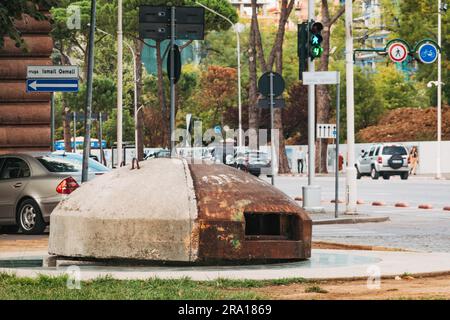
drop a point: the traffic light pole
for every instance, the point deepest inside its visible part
(172, 82)
(311, 192)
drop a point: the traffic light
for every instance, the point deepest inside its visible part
(302, 49)
(315, 40)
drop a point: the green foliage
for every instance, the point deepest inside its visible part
(110, 127)
(414, 20)
(10, 10)
(369, 104)
(103, 100)
(396, 90)
(315, 289)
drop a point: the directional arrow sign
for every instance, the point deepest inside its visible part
(52, 85)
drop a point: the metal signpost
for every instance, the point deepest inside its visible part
(427, 53)
(52, 79)
(271, 85)
(398, 52)
(173, 23)
(326, 131)
(329, 131)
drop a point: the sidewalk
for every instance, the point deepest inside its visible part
(329, 218)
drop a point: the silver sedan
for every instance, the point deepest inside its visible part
(32, 186)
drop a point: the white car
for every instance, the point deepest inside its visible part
(383, 160)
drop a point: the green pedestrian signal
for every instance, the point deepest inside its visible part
(315, 40)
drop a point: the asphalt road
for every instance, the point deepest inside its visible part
(408, 228)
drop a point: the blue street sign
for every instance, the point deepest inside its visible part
(428, 53)
(52, 85)
(218, 130)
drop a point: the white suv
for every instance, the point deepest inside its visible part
(383, 160)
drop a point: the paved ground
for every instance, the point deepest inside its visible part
(323, 264)
(409, 228)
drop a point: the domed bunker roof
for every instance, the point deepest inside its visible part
(170, 210)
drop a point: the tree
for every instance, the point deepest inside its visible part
(369, 104)
(414, 20)
(323, 104)
(396, 90)
(11, 11)
(131, 27)
(110, 127)
(215, 96)
(274, 61)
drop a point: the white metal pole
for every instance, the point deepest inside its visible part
(439, 96)
(238, 53)
(172, 81)
(135, 99)
(351, 170)
(119, 83)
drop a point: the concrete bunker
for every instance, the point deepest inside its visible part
(173, 211)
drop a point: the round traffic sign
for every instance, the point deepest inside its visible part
(428, 53)
(398, 52)
(264, 84)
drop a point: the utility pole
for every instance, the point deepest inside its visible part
(439, 95)
(88, 107)
(119, 83)
(351, 170)
(172, 82)
(311, 193)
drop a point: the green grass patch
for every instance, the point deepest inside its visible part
(315, 289)
(46, 287)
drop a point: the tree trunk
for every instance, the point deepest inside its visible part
(283, 163)
(140, 117)
(253, 121)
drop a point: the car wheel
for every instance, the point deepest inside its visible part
(374, 173)
(358, 174)
(30, 217)
(404, 176)
(386, 176)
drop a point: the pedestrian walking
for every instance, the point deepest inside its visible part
(413, 160)
(301, 158)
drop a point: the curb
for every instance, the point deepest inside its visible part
(350, 220)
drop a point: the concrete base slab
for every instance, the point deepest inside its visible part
(324, 264)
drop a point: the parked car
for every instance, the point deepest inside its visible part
(254, 162)
(383, 160)
(162, 153)
(77, 160)
(32, 186)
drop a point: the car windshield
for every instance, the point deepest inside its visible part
(77, 160)
(56, 165)
(394, 150)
